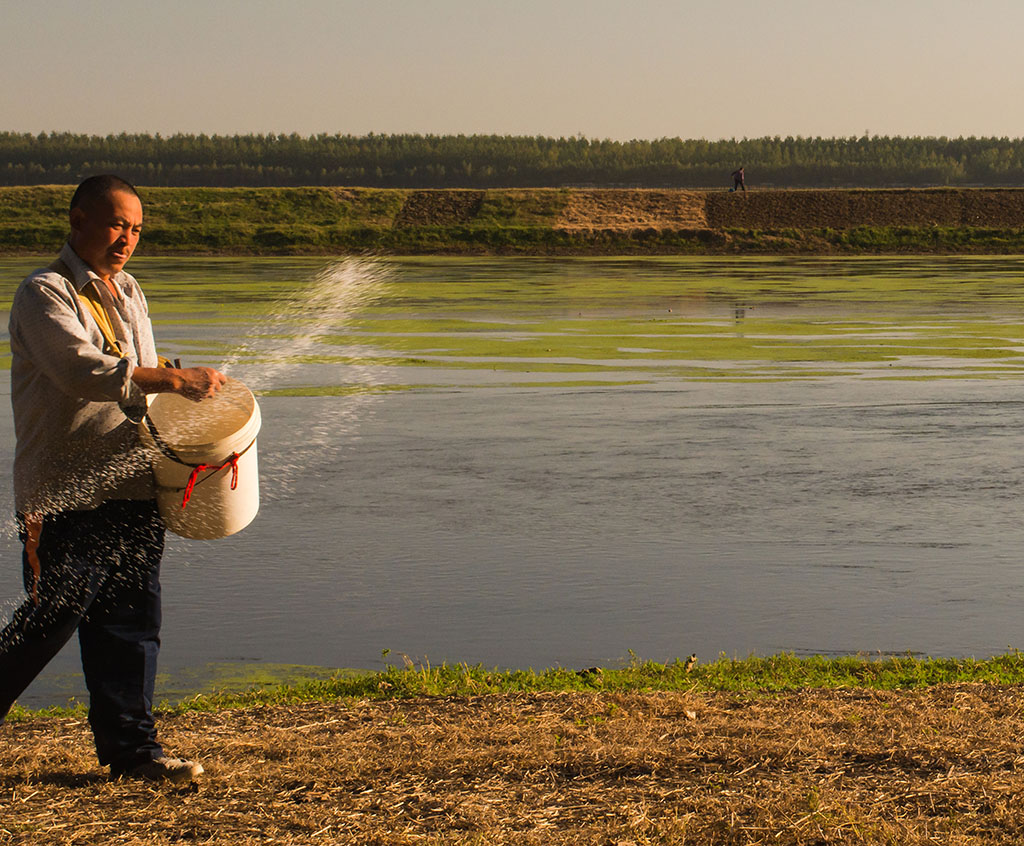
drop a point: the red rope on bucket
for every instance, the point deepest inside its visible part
(232, 460)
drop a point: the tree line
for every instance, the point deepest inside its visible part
(507, 161)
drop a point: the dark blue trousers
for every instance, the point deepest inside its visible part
(97, 572)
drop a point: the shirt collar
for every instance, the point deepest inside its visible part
(83, 274)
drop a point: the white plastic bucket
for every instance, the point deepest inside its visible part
(204, 460)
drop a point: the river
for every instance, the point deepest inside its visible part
(538, 462)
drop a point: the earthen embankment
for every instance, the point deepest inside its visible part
(625, 210)
(542, 221)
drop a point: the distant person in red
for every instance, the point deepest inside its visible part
(737, 180)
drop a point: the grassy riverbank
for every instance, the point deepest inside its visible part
(547, 221)
(284, 685)
(773, 750)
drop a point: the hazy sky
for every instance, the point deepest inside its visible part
(621, 70)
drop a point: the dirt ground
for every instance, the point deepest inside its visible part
(439, 208)
(624, 210)
(846, 209)
(812, 767)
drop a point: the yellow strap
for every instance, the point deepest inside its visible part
(91, 300)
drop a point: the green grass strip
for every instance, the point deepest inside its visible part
(750, 676)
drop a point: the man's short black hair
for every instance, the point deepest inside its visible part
(98, 186)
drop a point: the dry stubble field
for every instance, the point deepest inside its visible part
(943, 764)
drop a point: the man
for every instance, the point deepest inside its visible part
(83, 487)
(737, 180)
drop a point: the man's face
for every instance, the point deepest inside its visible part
(105, 232)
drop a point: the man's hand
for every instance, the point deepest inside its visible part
(200, 382)
(195, 383)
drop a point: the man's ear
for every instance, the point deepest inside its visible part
(77, 216)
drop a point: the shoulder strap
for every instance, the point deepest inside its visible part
(90, 299)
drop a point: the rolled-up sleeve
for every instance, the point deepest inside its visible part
(51, 333)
